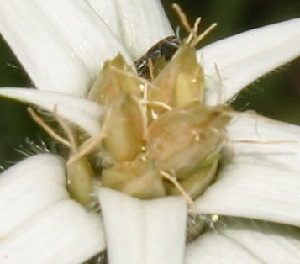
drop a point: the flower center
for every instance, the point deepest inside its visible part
(158, 137)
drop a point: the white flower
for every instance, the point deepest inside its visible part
(62, 45)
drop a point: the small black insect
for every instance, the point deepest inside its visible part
(165, 48)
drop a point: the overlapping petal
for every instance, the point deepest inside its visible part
(143, 231)
(108, 11)
(61, 44)
(81, 111)
(244, 241)
(64, 233)
(20, 181)
(262, 180)
(233, 63)
(39, 222)
(135, 22)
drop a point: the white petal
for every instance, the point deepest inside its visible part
(28, 188)
(64, 233)
(108, 11)
(62, 44)
(214, 248)
(81, 111)
(237, 241)
(262, 181)
(142, 24)
(138, 24)
(143, 231)
(243, 58)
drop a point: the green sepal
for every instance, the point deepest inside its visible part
(80, 181)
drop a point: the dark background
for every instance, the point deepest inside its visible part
(276, 96)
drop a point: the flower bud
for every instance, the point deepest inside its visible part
(124, 129)
(80, 181)
(199, 180)
(116, 77)
(182, 137)
(181, 81)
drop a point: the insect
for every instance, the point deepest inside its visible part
(165, 48)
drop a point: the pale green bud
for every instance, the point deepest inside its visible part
(196, 183)
(181, 81)
(182, 137)
(116, 77)
(124, 128)
(80, 181)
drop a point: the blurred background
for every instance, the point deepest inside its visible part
(276, 95)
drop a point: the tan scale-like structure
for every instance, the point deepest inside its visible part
(158, 137)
